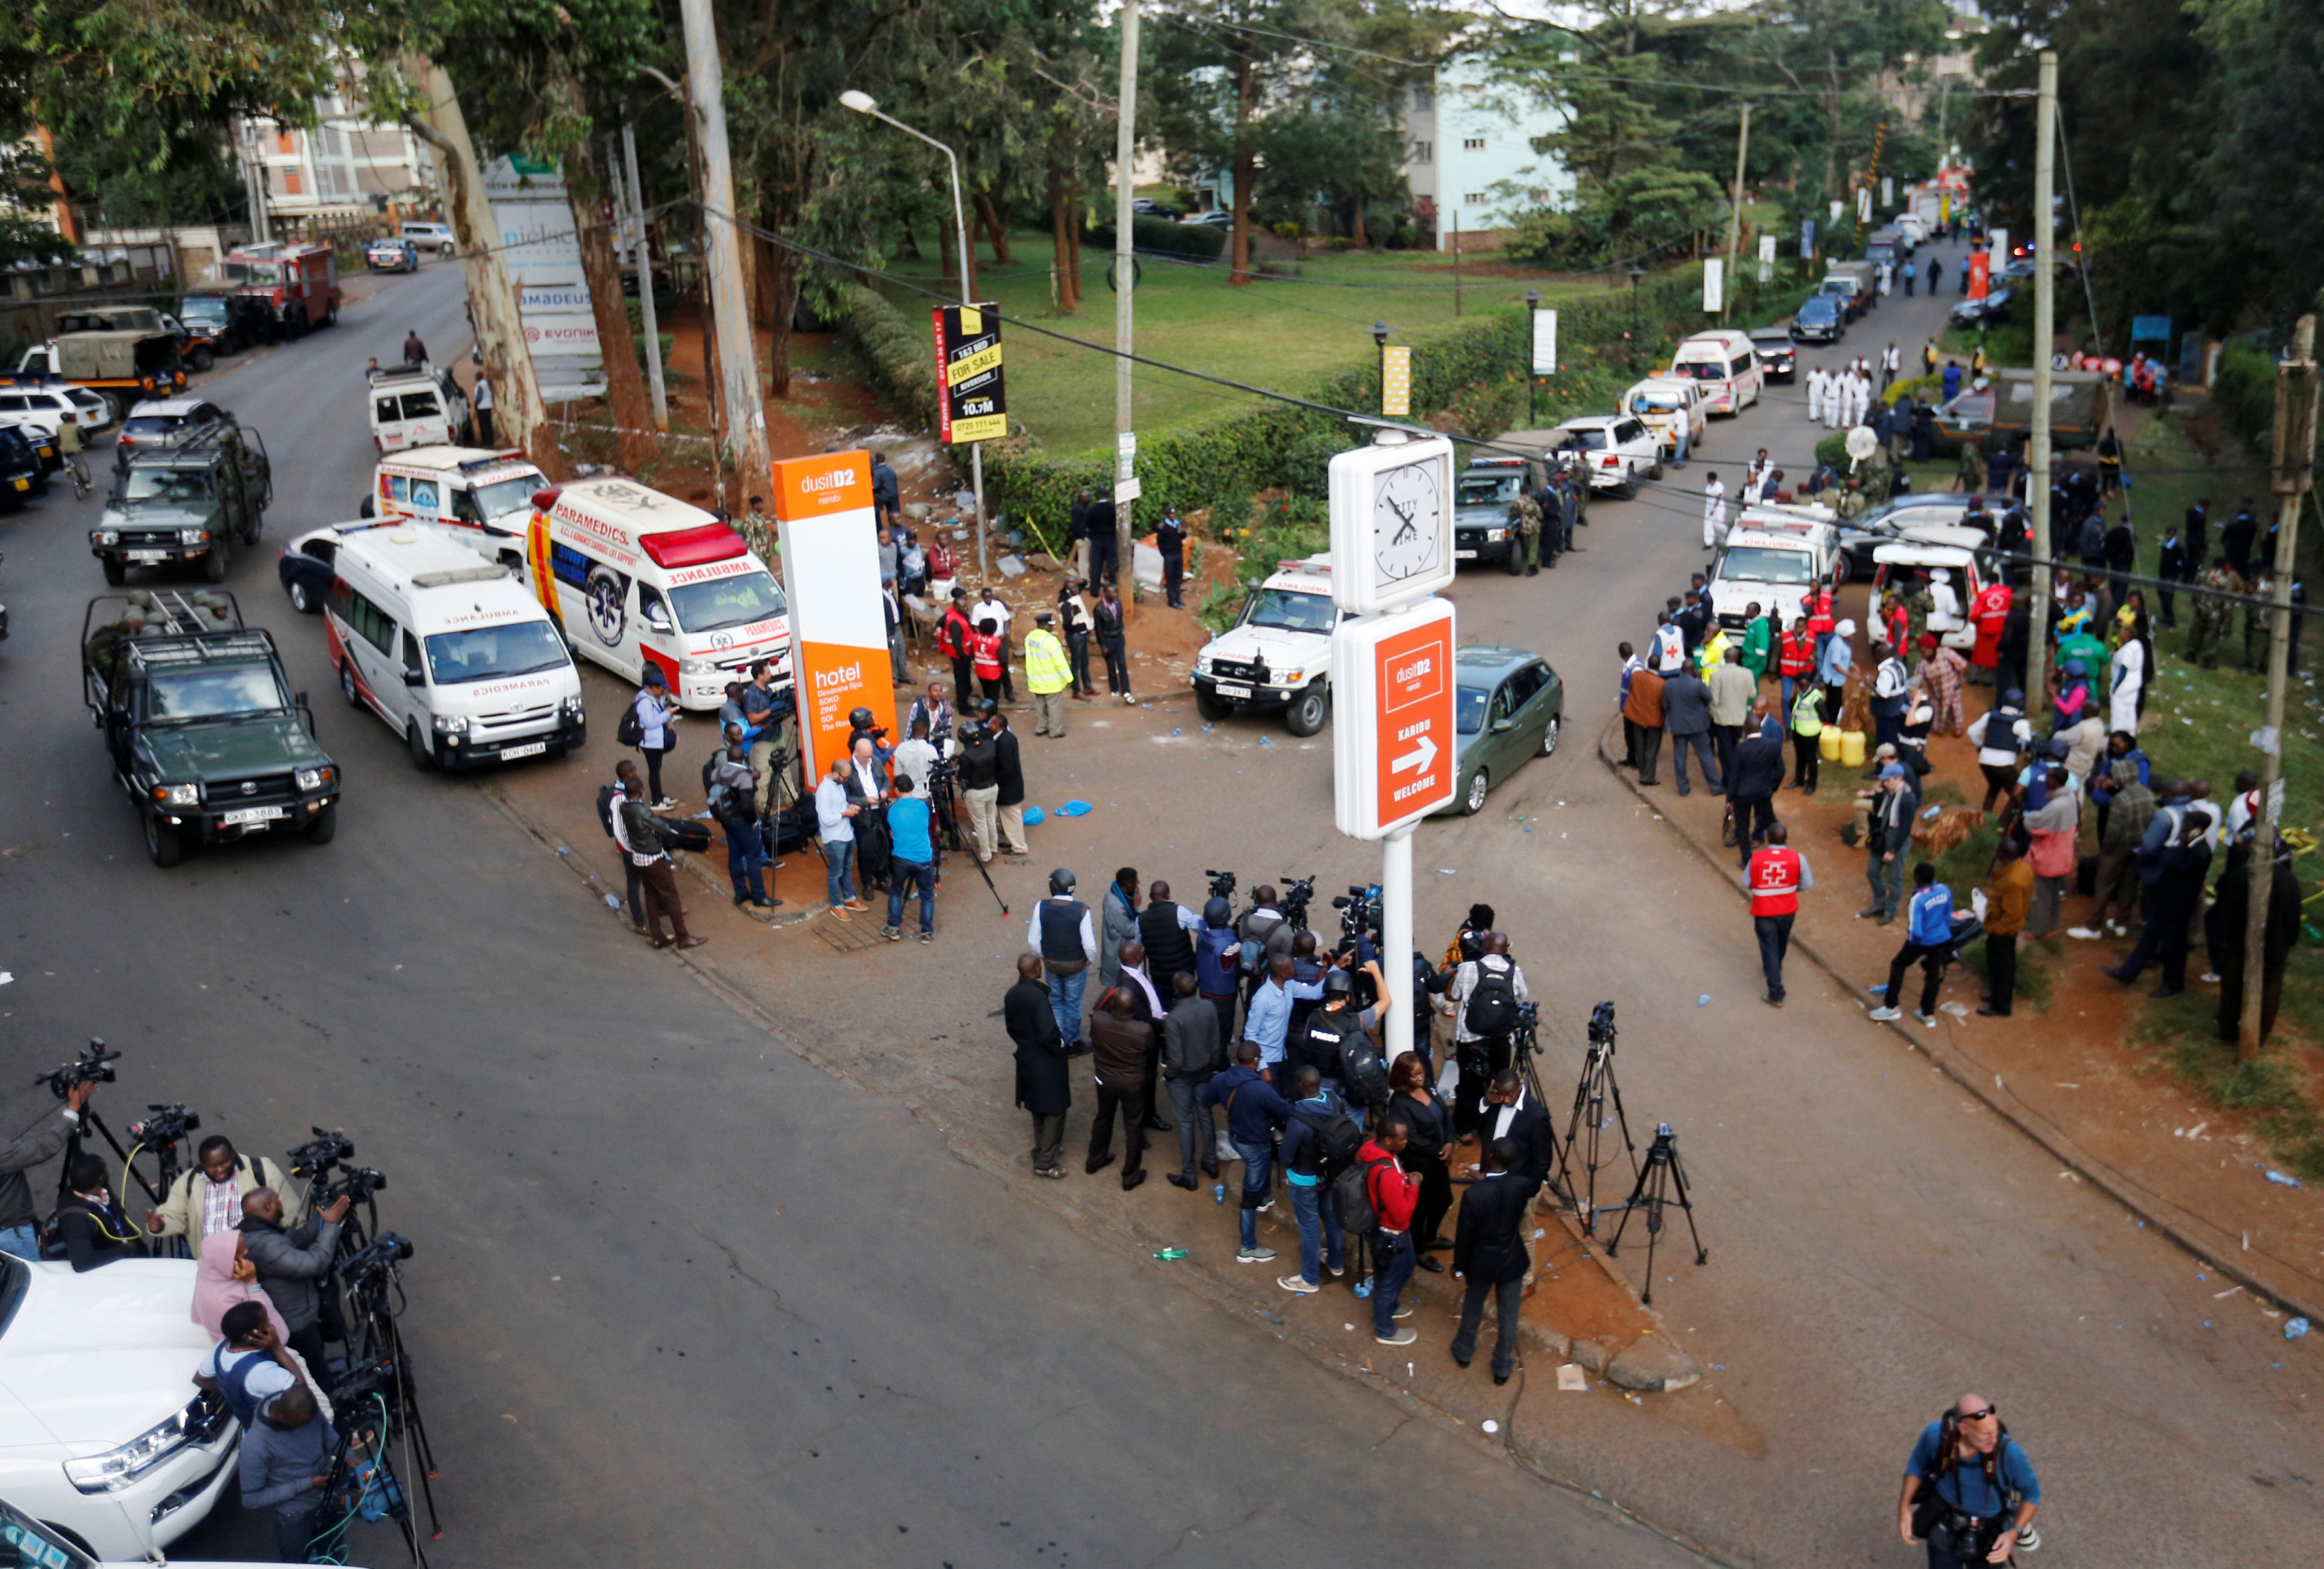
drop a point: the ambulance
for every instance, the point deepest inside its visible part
(635, 576)
(449, 649)
(465, 487)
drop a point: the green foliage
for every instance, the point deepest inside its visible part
(1164, 236)
(1221, 602)
(2244, 394)
(27, 241)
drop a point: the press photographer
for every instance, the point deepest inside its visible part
(207, 1201)
(290, 1261)
(1969, 1491)
(41, 1141)
(1484, 998)
(90, 1227)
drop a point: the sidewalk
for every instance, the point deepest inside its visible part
(2090, 1094)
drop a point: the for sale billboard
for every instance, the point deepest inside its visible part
(971, 405)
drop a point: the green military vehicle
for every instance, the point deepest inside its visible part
(186, 502)
(206, 736)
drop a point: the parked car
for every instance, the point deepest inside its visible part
(1986, 312)
(1668, 404)
(1482, 495)
(163, 422)
(1820, 318)
(391, 254)
(437, 238)
(1151, 208)
(1724, 365)
(1217, 218)
(23, 474)
(1778, 358)
(1616, 450)
(1278, 654)
(45, 403)
(1507, 706)
(104, 1440)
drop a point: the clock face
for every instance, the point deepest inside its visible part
(1408, 520)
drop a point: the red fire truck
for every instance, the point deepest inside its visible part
(295, 283)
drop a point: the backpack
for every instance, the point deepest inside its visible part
(1338, 1139)
(1493, 1005)
(606, 796)
(630, 729)
(1353, 1188)
(1363, 1076)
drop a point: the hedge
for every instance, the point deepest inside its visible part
(1163, 237)
(1223, 462)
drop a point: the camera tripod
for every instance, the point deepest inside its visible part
(374, 1340)
(353, 1489)
(1583, 1153)
(1663, 1181)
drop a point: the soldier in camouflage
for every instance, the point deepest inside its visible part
(758, 532)
(2211, 616)
(2256, 624)
(1527, 515)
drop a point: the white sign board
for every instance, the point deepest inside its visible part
(1766, 258)
(1391, 506)
(2000, 240)
(1127, 490)
(1396, 753)
(1863, 203)
(1714, 285)
(1887, 190)
(541, 252)
(1545, 343)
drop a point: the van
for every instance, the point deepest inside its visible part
(1666, 405)
(449, 649)
(1905, 566)
(635, 576)
(1724, 367)
(469, 487)
(1774, 556)
(416, 406)
(1886, 245)
(433, 236)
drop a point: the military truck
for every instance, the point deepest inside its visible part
(1998, 411)
(206, 737)
(176, 506)
(123, 366)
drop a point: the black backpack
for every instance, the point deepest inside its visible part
(1363, 1076)
(628, 730)
(1493, 1005)
(1354, 1189)
(1338, 1137)
(606, 796)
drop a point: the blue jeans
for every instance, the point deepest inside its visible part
(1317, 1209)
(1065, 1001)
(1257, 1182)
(1392, 1262)
(1680, 461)
(905, 875)
(20, 1242)
(746, 855)
(839, 859)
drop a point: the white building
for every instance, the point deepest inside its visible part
(343, 169)
(1470, 158)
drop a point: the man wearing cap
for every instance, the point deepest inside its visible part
(1888, 839)
(1047, 675)
(1066, 937)
(1073, 604)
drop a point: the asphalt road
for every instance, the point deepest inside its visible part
(754, 1313)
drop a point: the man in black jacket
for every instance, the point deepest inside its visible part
(1753, 777)
(1043, 1086)
(290, 1261)
(1119, 1044)
(1510, 1112)
(1192, 1052)
(1112, 641)
(1104, 550)
(1490, 1254)
(95, 1230)
(38, 1144)
(1009, 774)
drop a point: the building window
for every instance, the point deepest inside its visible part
(292, 183)
(1422, 99)
(285, 144)
(1474, 198)
(1472, 144)
(1424, 151)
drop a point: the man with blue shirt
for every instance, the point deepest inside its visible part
(1307, 1172)
(1928, 938)
(1833, 662)
(914, 859)
(1977, 1471)
(1269, 1017)
(1254, 1111)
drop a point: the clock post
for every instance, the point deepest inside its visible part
(1395, 754)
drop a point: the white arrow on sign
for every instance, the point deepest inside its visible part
(1418, 758)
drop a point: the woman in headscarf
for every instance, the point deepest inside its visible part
(1941, 673)
(224, 1276)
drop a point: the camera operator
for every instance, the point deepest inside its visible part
(979, 780)
(1983, 1487)
(1168, 930)
(290, 1261)
(1484, 996)
(45, 1138)
(1265, 933)
(94, 1228)
(207, 1201)
(937, 713)
(919, 751)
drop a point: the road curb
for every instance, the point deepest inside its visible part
(2114, 1184)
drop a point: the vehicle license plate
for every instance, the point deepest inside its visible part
(149, 555)
(529, 749)
(251, 815)
(24, 484)
(1225, 690)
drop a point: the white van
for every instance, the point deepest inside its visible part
(449, 649)
(465, 487)
(416, 406)
(1773, 557)
(636, 576)
(1666, 405)
(1724, 367)
(437, 238)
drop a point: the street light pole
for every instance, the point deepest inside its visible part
(1637, 323)
(1533, 309)
(1379, 341)
(863, 104)
(1125, 286)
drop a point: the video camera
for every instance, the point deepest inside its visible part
(94, 1066)
(166, 1125)
(356, 1182)
(1222, 884)
(1298, 893)
(1361, 914)
(364, 1379)
(1601, 1025)
(326, 1148)
(384, 1252)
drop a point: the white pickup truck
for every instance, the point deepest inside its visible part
(1278, 654)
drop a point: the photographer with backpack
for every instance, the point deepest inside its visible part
(1483, 999)
(1969, 1491)
(1377, 1198)
(1335, 1040)
(1320, 1141)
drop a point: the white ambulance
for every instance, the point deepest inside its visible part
(417, 405)
(1723, 367)
(465, 486)
(637, 576)
(449, 649)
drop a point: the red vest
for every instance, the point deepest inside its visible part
(1798, 654)
(1819, 615)
(1775, 881)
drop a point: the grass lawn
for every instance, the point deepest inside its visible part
(1278, 332)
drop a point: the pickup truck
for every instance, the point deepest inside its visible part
(205, 738)
(1999, 410)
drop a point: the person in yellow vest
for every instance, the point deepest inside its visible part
(1807, 735)
(1711, 652)
(1048, 675)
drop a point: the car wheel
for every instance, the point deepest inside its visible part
(1210, 707)
(1514, 562)
(1308, 713)
(201, 359)
(331, 314)
(324, 825)
(214, 564)
(1549, 736)
(301, 600)
(165, 846)
(348, 684)
(1656, 471)
(422, 757)
(1475, 800)
(1629, 487)
(116, 574)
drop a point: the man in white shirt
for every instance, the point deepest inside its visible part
(1818, 384)
(1714, 512)
(1944, 605)
(480, 402)
(1891, 361)
(833, 814)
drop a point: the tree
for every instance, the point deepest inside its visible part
(1830, 48)
(1218, 65)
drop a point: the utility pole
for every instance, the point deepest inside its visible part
(738, 353)
(2295, 453)
(645, 279)
(1125, 284)
(1734, 213)
(2046, 330)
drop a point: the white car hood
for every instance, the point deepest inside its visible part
(1282, 651)
(92, 1361)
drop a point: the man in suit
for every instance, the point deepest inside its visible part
(1043, 1087)
(1510, 1112)
(1121, 1045)
(1490, 1254)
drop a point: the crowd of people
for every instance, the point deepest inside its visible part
(1266, 1044)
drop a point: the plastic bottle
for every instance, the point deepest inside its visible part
(1219, 1192)
(1171, 1255)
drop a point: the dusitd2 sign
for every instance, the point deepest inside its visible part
(1395, 753)
(831, 566)
(970, 404)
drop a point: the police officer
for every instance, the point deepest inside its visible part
(1170, 541)
(1048, 674)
